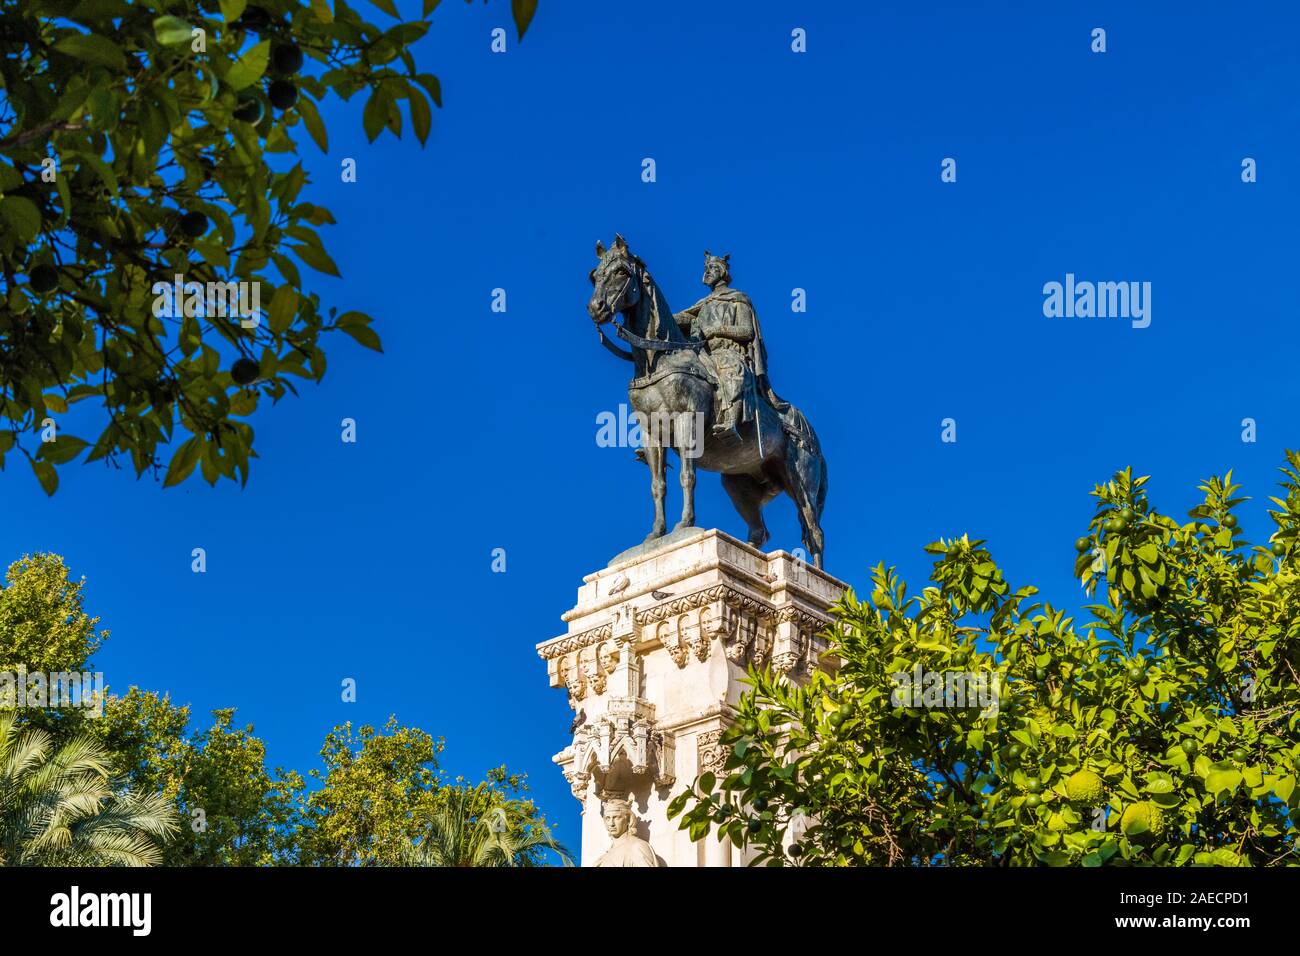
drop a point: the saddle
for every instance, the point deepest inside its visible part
(793, 421)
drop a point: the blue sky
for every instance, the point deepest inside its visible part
(476, 430)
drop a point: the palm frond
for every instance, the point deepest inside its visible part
(58, 807)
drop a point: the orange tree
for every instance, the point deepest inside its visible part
(136, 141)
(1160, 731)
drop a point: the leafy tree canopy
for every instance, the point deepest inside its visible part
(382, 793)
(236, 812)
(1162, 729)
(379, 797)
(138, 143)
(43, 625)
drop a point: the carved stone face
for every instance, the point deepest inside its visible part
(617, 820)
(714, 272)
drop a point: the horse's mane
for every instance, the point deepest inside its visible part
(662, 324)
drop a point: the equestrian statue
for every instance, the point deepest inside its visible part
(700, 386)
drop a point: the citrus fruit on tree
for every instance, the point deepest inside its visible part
(286, 58)
(1085, 787)
(1142, 822)
(194, 224)
(282, 94)
(244, 371)
(43, 279)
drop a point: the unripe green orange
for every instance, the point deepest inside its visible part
(1144, 814)
(1085, 787)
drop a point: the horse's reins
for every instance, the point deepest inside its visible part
(653, 345)
(660, 345)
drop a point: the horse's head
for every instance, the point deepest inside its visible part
(616, 280)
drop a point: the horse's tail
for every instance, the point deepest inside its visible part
(822, 482)
(806, 471)
(817, 476)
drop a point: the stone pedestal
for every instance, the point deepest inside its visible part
(653, 660)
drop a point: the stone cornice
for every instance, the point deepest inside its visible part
(567, 643)
(733, 597)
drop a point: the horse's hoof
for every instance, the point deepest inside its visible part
(683, 525)
(653, 535)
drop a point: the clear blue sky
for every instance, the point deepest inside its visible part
(820, 171)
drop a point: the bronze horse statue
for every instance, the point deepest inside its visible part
(774, 451)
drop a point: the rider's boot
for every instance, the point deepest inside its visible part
(726, 423)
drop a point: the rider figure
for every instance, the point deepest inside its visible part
(726, 321)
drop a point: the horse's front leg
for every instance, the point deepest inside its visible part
(656, 456)
(688, 438)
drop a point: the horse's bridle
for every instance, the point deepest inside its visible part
(652, 345)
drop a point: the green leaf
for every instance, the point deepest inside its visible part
(1160, 783)
(287, 268)
(46, 475)
(10, 178)
(366, 336)
(21, 215)
(388, 8)
(169, 30)
(1219, 781)
(420, 116)
(65, 200)
(103, 170)
(190, 337)
(315, 257)
(375, 115)
(352, 318)
(1284, 786)
(183, 462)
(284, 306)
(523, 11)
(62, 450)
(250, 67)
(431, 86)
(214, 251)
(232, 9)
(92, 49)
(311, 119)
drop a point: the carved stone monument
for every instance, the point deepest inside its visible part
(659, 641)
(653, 660)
